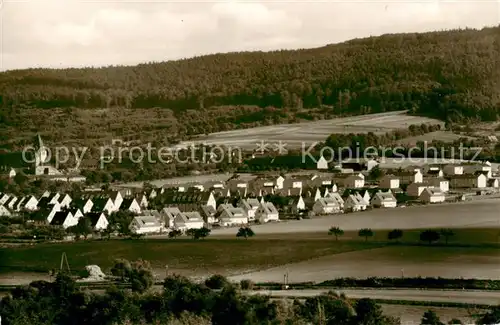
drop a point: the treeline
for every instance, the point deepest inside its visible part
(184, 302)
(450, 75)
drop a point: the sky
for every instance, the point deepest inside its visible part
(76, 33)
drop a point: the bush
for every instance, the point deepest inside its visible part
(246, 284)
(216, 281)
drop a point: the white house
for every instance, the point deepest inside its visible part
(51, 211)
(143, 201)
(77, 213)
(337, 198)
(353, 181)
(29, 204)
(432, 195)
(384, 200)
(84, 204)
(168, 216)
(484, 168)
(279, 182)
(230, 215)
(188, 220)
(365, 195)
(4, 198)
(453, 169)
(103, 204)
(117, 199)
(267, 212)
(469, 181)
(415, 189)
(389, 182)
(64, 219)
(493, 182)
(131, 205)
(322, 163)
(53, 198)
(355, 202)
(11, 203)
(438, 182)
(326, 205)
(145, 225)
(65, 201)
(5, 212)
(98, 220)
(250, 207)
(209, 214)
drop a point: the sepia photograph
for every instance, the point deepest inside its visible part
(249, 162)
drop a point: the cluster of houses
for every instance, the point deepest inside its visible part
(260, 198)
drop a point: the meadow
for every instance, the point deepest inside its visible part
(295, 135)
(312, 256)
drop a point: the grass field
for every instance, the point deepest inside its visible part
(224, 256)
(309, 132)
(471, 252)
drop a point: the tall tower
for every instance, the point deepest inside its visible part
(41, 153)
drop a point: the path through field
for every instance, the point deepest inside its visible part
(394, 261)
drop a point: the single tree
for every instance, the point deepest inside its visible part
(245, 232)
(202, 232)
(365, 232)
(84, 227)
(395, 234)
(192, 233)
(455, 321)
(336, 231)
(430, 318)
(174, 233)
(429, 236)
(447, 233)
(216, 281)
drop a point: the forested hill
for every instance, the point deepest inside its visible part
(447, 74)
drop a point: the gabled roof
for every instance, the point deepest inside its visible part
(44, 202)
(94, 217)
(385, 196)
(188, 197)
(153, 213)
(269, 208)
(127, 203)
(100, 202)
(192, 216)
(328, 201)
(433, 192)
(60, 217)
(147, 221)
(250, 203)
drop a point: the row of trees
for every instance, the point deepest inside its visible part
(429, 236)
(180, 301)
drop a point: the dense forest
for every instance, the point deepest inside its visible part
(449, 75)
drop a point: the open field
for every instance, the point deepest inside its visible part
(394, 261)
(445, 136)
(471, 214)
(191, 258)
(309, 132)
(411, 315)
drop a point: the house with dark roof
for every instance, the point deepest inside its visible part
(98, 220)
(267, 212)
(84, 204)
(130, 204)
(103, 204)
(64, 219)
(191, 200)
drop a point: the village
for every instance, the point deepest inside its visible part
(246, 199)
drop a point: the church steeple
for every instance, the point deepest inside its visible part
(38, 142)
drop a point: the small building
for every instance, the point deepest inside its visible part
(250, 206)
(188, 220)
(50, 211)
(439, 182)
(415, 189)
(11, 202)
(493, 182)
(145, 225)
(209, 214)
(167, 216)
(389, 182)
(267, 212)
(98, 220)
(453, 169)
(117, 199)
(352, 181)
(322, 163)
(408, 177)
(337, 198)
(130, 204)
(143, 201)
(84, 204)
(326, 205)
(103, 204)
(65, 200)
(30, 203)
(355, 202)
(77, 213)
(229, 215)
(4, 198)
(384, 200)
(432, 195)
(5, 212)
(294, 205)
(64, 219)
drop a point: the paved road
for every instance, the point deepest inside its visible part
(467, 297)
